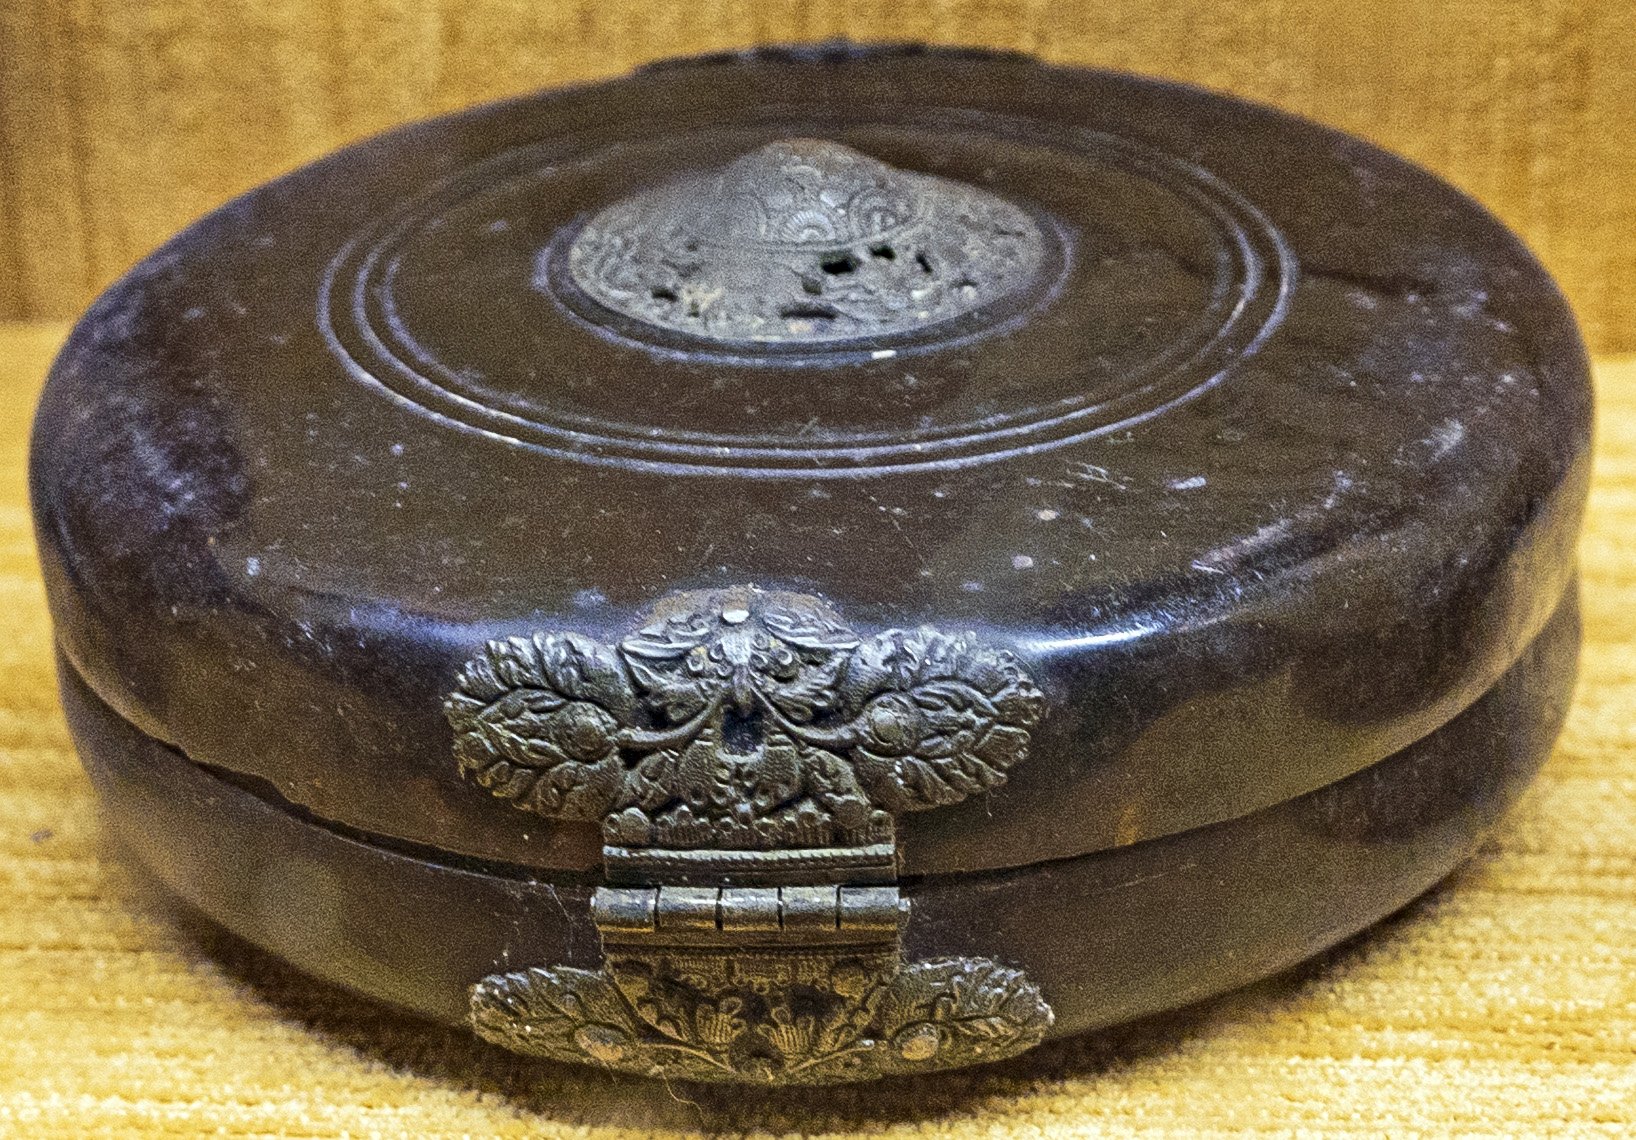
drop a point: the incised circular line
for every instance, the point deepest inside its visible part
(357, 270)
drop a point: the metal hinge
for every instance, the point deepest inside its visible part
(747, 754)
(748, 916)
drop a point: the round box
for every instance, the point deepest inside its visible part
(817, 563)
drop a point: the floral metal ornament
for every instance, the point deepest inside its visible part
(825, 1024)
(741, 719)
(747, 753)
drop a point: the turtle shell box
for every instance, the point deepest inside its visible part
(819, 563)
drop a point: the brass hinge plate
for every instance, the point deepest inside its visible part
(747, 754)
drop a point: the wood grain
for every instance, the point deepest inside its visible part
(120, 120)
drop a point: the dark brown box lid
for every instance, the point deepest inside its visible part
(1269, 462)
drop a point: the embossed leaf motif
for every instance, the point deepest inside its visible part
(742, 718)
(958, 1010)
(537, 722)
(562, 1013)
(754, 649)
(928, 1015)
(941, 718)
(669, 660)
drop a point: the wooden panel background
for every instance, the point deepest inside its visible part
(120, 120)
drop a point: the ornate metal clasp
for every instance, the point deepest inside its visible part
(747, 754)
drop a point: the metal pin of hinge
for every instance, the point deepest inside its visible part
(728, 916)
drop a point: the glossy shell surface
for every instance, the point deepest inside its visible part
(1276, 469)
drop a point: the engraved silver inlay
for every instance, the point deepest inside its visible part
(805, 241)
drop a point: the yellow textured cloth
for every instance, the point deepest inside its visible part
(1503, 1003)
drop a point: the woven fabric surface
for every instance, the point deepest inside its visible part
(1503, 1003)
